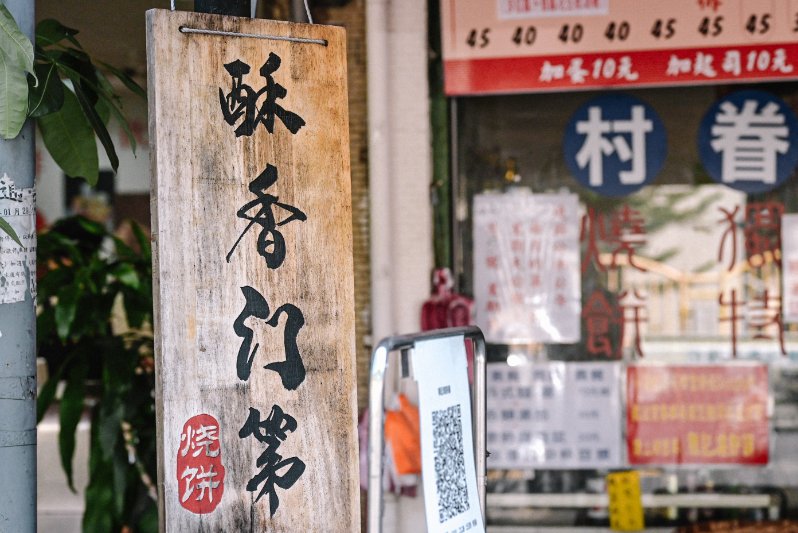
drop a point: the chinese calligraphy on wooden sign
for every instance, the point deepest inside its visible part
(253, 268)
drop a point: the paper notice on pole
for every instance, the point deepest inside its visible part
(17, 263)
(789, 254)
(447, 450)
(554, 415)
(526, 267)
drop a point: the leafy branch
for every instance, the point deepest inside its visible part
(55, 83)
(86, 291)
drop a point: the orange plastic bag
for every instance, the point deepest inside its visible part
(402, 432)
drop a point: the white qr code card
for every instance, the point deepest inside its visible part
(448, 472)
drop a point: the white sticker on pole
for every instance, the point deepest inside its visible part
(17, 263)
(789, 250)
(447, 449)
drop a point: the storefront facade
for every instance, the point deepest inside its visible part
(623, 183)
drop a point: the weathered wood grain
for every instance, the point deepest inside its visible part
(201, 176)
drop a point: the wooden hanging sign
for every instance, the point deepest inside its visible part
(254, 316)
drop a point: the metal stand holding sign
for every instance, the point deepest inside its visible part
(405, 344)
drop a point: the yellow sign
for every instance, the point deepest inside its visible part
(626, 505)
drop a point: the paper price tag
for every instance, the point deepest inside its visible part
(626, 505)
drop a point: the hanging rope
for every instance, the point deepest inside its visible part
(186, 29)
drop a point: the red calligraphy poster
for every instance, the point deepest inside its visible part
(707, 414)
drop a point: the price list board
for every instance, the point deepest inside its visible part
(506, 46)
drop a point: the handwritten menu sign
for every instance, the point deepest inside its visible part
(500, 46)
(526, 267)
(253, 271)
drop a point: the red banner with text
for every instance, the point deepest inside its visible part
(507, 46)
(697, 414)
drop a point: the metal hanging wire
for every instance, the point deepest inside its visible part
(307, 10)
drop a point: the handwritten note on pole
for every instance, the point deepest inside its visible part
(254, 280)
(17, 262)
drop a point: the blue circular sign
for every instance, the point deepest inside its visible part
(615, 144)
(747, 141)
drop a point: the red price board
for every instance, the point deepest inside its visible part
(504, 46)
(697, 414)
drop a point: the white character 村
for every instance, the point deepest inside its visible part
(598, 144)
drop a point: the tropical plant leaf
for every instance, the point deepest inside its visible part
(48, 96)
(127, 275)
(47, 395)
(107, 95)
(99, 514)
(13, 97)
(120, 469)
(144, 242)
(97, 123)
(109, 428)
(50, 31)
(76, 65)
(70, 413)
(69, 138)
(128, 82)
(65, 310)
(5, 226)
(14, 43)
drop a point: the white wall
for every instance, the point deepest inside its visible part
(400, 173)
(400, 168)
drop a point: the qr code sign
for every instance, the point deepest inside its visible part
(450, 474)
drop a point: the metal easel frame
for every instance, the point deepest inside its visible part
(379, 365)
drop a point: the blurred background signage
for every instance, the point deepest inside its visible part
(697, 414)
(503, 46)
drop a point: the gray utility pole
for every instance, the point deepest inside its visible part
(18, 348)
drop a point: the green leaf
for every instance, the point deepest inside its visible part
(13, 97)
(149, 520)
(108, 430)
(50, 31)
(99, 513)
(120, 469)
(48, 96)
(69, 138)
(127, 275)
(128, 82)
(144, 242)
(107, 95)
(14, 43)
(5, 226)
(97, 124)
(65, 310)
(95, 228)
(47, 394)
(103, 111)
(71, 411)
